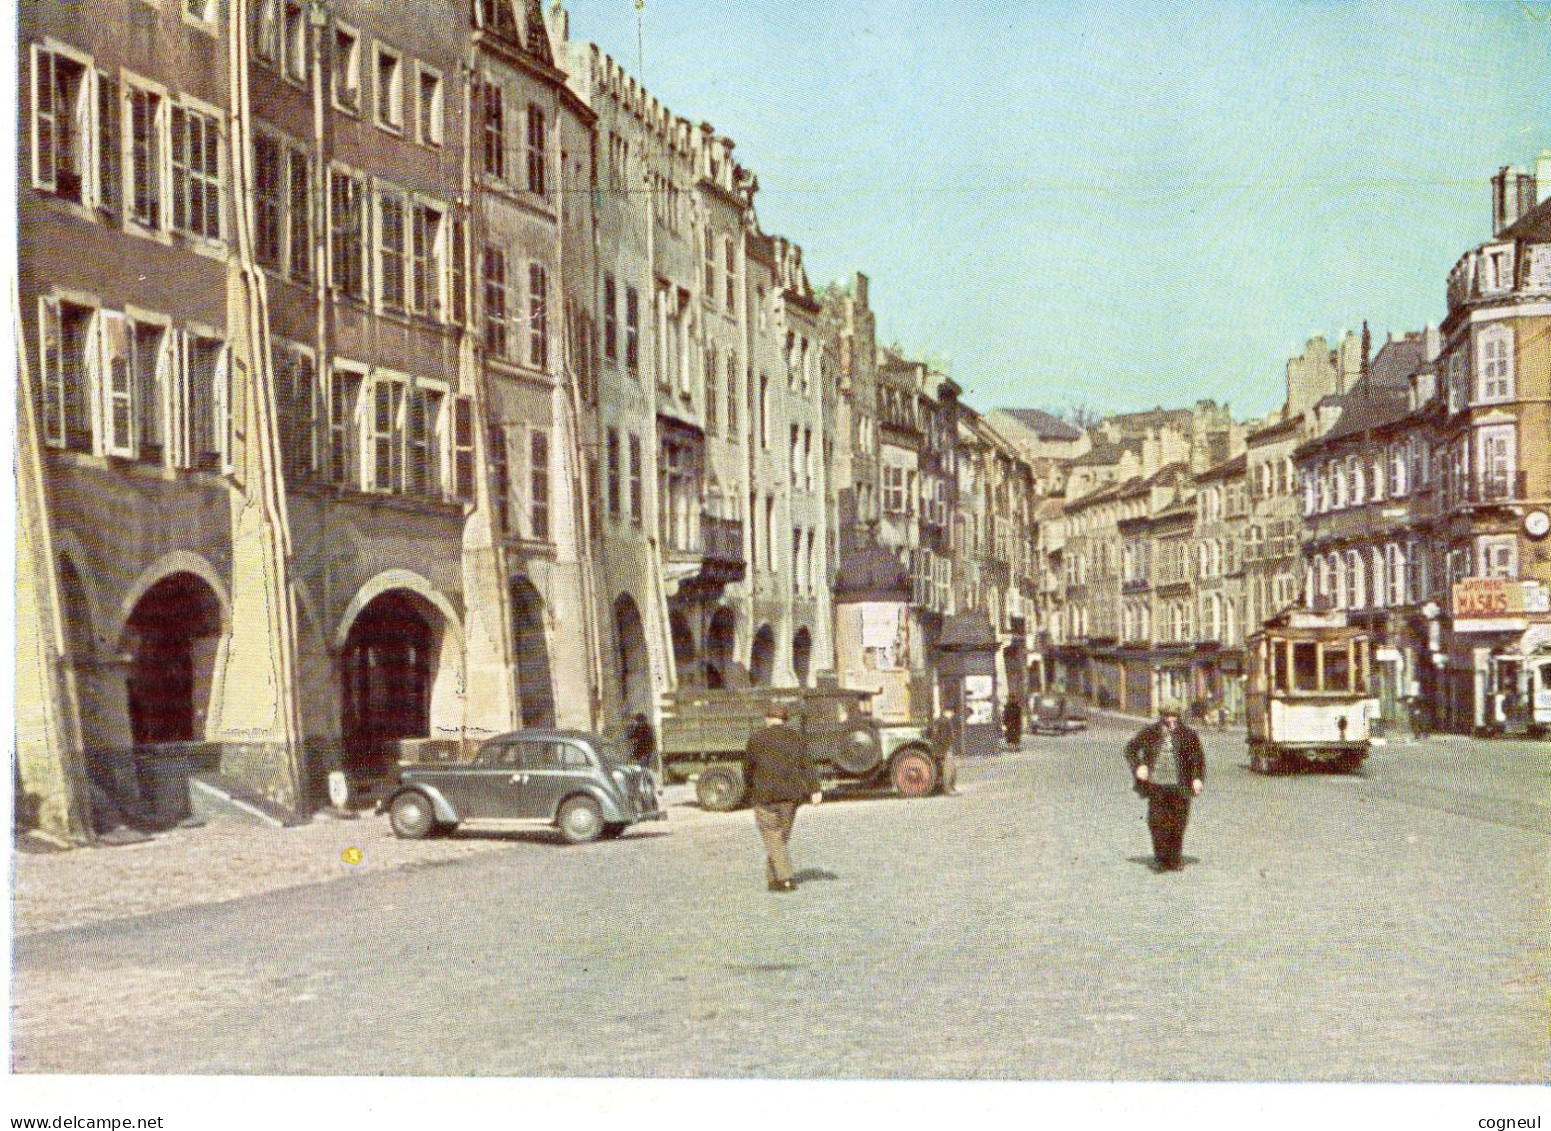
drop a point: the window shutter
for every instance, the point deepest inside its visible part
(118, 407)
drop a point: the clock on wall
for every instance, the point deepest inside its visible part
(1537, 524)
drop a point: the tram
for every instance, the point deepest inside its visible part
(1310, 699)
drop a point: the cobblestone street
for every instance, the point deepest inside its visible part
(1386, 926)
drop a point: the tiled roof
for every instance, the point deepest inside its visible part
(1045, 425)
(1227, 469)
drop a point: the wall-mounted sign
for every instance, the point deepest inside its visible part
(1497, 598)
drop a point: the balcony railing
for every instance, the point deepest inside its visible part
(1497, 488)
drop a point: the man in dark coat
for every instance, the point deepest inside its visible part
(1012, 720)
(1170, 768)
(945, 734)
(780, 778)
(641, 742)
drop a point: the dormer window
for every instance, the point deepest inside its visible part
(496, 16)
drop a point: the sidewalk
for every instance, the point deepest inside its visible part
(225, 860)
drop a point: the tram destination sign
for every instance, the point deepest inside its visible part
(1497, 604)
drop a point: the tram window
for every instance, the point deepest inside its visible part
(1279, 666)
(1305, 666)
(1360, 669)
(1545, 677)
(1338, 668)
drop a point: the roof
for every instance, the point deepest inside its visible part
(1272, 431)
(1045, 425)
(1227, 469)
(1383, 395)
(1533, 225)
(1106, 453)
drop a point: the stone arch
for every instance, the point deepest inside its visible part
(721, 640)
(178, 561)
(170, 638)
(762, 656)
(686, 654)
(632, 656)
(802, 654)
(530, 655)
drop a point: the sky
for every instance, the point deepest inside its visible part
(1113, 205)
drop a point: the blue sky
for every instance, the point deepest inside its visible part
(1119, 204)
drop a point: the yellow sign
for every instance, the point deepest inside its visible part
(1488, 598)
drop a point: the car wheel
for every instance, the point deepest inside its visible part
(411, 816)
(719, 790)
(914, 774)
(580, 820)
(614, 829)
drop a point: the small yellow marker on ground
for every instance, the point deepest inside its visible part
(353, 856)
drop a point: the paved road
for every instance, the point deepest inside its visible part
(1389, 926)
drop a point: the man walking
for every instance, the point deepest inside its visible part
(780, 778)
(1170, 768)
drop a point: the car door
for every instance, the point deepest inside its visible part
(482, 790)
(543, 778)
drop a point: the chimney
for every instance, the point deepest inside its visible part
(1513, 194)
(1432, 343)
(1543, 175)
(861, 290)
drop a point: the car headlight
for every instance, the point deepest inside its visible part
(862, 738)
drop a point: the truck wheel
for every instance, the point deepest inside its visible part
(580, 820)
(719, 790)
(411, 816)
(914, 773)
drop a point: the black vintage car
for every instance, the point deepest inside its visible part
(577, 782)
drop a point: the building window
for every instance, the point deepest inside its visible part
(426, 292)
(428, 106)
(538, 485)
(344, 402)
(145, 158)
(732, 396)
(536, 150)
(612, 457)
(346, 79)
(1497, 459)
(294, 65)
(493, 131)
(200, 11)
(764, 411)
(265, 30)
(1495, 364)
(610, 319)
(196, 173)
(1498, 556)
(152, 365)
(894, 490)
(495, 302)
(268, 200)
(347, 233)
(463, 448)
(389, 71)
(635, 480)
(390, 250)
(538, 316)
(423, 471)
(110, 153)
(204, 364)
(496, 16)
(632, 330)
(710, 266)
(61, 125)
(500, 478)
(712, 392)
(387, 452)
(731, 274)
(295, 377)
(456, 274)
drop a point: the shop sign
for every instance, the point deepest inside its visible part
(1494, 599)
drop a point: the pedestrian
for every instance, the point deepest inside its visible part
(1012, 721)
(943, 735)
(641, 742)
(780, 778)
(1169, 767)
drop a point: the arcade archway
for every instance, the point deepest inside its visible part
(635, 673)
(388, 662)
(171, 638)
(802, 654)
(721, 637)
(530, 656)
(762, 657)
